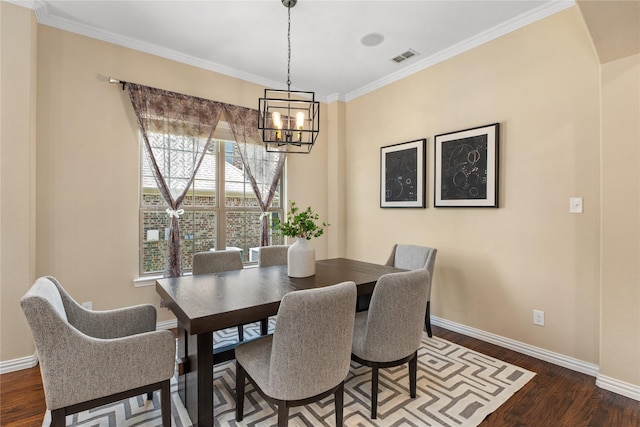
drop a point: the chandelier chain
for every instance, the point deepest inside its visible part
(289, 48)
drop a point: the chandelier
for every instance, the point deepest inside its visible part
(288, 120)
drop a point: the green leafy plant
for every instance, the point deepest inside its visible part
(300, 223)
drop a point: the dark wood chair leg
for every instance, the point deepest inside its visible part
(58, 419)
(283, 414)
(150, 395)
(241, 333)
(165, 403)
(374, 391)
(427, 320)
(264, 327)
(339, 402)
(413, 374)
(240, 380)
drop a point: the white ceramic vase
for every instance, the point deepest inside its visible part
(301, 259)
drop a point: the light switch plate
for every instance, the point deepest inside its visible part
(575, 205)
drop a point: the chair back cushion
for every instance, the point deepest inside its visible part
(312, 341)
(216, 261)
(45, 313)
(273, 255)
(45, 297)
(393, 327)
(413, 257)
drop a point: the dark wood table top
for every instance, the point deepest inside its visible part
(210, 302)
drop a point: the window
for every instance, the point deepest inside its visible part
(220, 210)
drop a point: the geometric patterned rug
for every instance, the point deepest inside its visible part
(457, 387)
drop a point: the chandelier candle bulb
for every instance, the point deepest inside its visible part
(300, 123)
(276, 119)
(277, 123)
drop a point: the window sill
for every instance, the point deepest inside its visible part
(145, 281)
(142, 282)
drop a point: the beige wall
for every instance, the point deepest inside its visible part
(336, 168)
(495, 266)
(542, 83)
(620, 305)
(17, 175)
(87, 168)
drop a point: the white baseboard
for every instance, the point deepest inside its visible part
(520, 347)
(18, 364)
(620, 387)
(607, 383)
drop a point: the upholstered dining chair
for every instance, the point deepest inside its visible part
(307, 356)
(217, 262)
(272, 255)
(414, 257)
(389, 333)
(92, 358)
(268, 256)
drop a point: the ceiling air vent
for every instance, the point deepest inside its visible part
(404, 56)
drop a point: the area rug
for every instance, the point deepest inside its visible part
(457, 387)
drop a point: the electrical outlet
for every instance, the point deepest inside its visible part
(538, 317)
(88, 305)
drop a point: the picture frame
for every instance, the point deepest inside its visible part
(466, 167)
(402, 175)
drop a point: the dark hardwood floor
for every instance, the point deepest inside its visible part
(555, 397)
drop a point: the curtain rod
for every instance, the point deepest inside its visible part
(113, 80)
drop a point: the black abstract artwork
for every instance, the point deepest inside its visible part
(466, 168)
(402, 174)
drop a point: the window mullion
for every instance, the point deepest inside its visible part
(221, 229)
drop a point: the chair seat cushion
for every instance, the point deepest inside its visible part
(255, 358)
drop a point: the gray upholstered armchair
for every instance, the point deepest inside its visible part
(91, 358)
(307, 357)
(389, 333)
(414, 257)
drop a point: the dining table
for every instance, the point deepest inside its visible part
(206, 303)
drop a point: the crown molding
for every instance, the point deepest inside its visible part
(45, 18)
(466, 45)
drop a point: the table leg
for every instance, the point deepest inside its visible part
(182, 352)
(196, 385)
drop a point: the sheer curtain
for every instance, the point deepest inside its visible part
(264, 169)
(186, 124)
(168, 119)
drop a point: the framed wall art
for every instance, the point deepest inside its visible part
(402, 175)
(466, 168)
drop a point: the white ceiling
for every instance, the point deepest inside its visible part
(248, 39)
